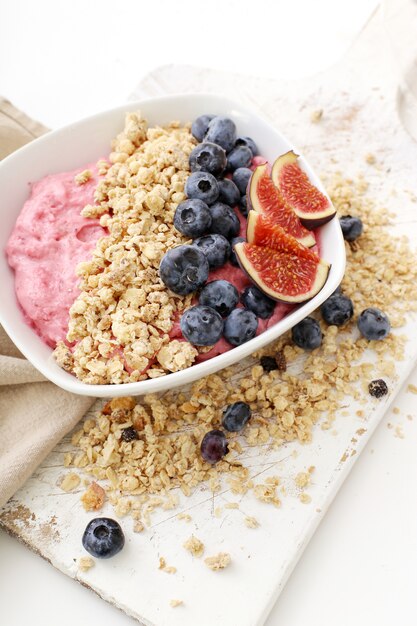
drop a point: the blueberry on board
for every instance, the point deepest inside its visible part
(224, 220)
(240, 326)
(220, 295)
(243, 206)
(239, 157)
(378, 388)
(200, 125)
(184, 269)
(221, 130)
(233, 258)
(208, 157)
(352, 227)
(192, 218)
(374, 324)
(236, 416)
(201, 325)
(203, 186)
(216, 248)
(214, 446)
(103, 537)
(241, 178)
(337, 310)
(256, 301)
(249, 143)
(307, 334)
(228, 192)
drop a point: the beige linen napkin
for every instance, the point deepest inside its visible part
(34, 413)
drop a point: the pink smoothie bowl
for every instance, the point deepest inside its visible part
(86, 141)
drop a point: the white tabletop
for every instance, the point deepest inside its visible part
(59, 62)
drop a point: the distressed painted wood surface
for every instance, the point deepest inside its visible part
(359, 117)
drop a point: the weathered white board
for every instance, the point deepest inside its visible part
(359, 116)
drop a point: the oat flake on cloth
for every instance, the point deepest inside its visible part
(34, 413)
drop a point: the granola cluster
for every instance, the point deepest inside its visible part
(120, 324)
(286, 403)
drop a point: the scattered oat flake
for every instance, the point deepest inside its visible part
(174, 603)
(302, 479)
(169, 569)
(185, 517)
(93, 498)
(218, 511)
(195, 546)
(316, 116)
(412, 388)
(251, 522)
(370, 158)
(304, 498)
(399, 432)
(396, 410)
(218, 561)
(138, 526)
(70, 482)
(231, 505)
(85, 563)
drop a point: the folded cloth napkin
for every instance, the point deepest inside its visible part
(34, 413)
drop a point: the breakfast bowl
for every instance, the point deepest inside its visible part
(88, 140)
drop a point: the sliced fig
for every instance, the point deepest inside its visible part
(311, 205)
(284, 276)
(262, 231)
(264, 197)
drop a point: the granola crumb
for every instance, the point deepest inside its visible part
(195, 546)
(302, 479)
(138, 526)
(251, 522)
(185, 517)
(218, 561)
(218, 511)
(398, 432)
(370, 158)
(412, 388)
(231, 505)
(93, 498)
(304, 498)
(169, 569)
(316, 116)
(70, 482)
(85, 563)
(174, 603)
(83, 177)
(396, 410)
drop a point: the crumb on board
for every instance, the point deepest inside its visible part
(70, 482)
(218, 561)
(370, 158)
(185, 517)
(316, 115)
(175, 603)
(305, 498)
(303, 479)
(412, 388)
(169, 569)
(398, 432)
(85, 563)
(251, 522)
(231, 505)
(93, 498)
(194, 546)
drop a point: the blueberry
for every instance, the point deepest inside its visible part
(236, 416)
(378, 388)
(337, 310)
(373, 324)
(253, 299)
(307, 334)
(249, 143)
(243, 206)
(192, 218)
(221, 295)
(224, 220)
(201, 325)
(103, 537)
(240, 326)
(241, 178)
(129, 434)
(203, 186)
(208, 157)
(352, 227)
(240, 156)
(233, 258)
(216, 248)
(184, 269)
(214, 446)
(269, 363)
(200, 125)
(228, 192)
(221, 130)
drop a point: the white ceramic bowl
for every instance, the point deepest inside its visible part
(84, 141)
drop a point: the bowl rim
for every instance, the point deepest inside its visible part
(68, 381)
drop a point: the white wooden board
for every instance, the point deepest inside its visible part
(359, 117)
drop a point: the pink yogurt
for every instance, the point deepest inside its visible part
(48, 241)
